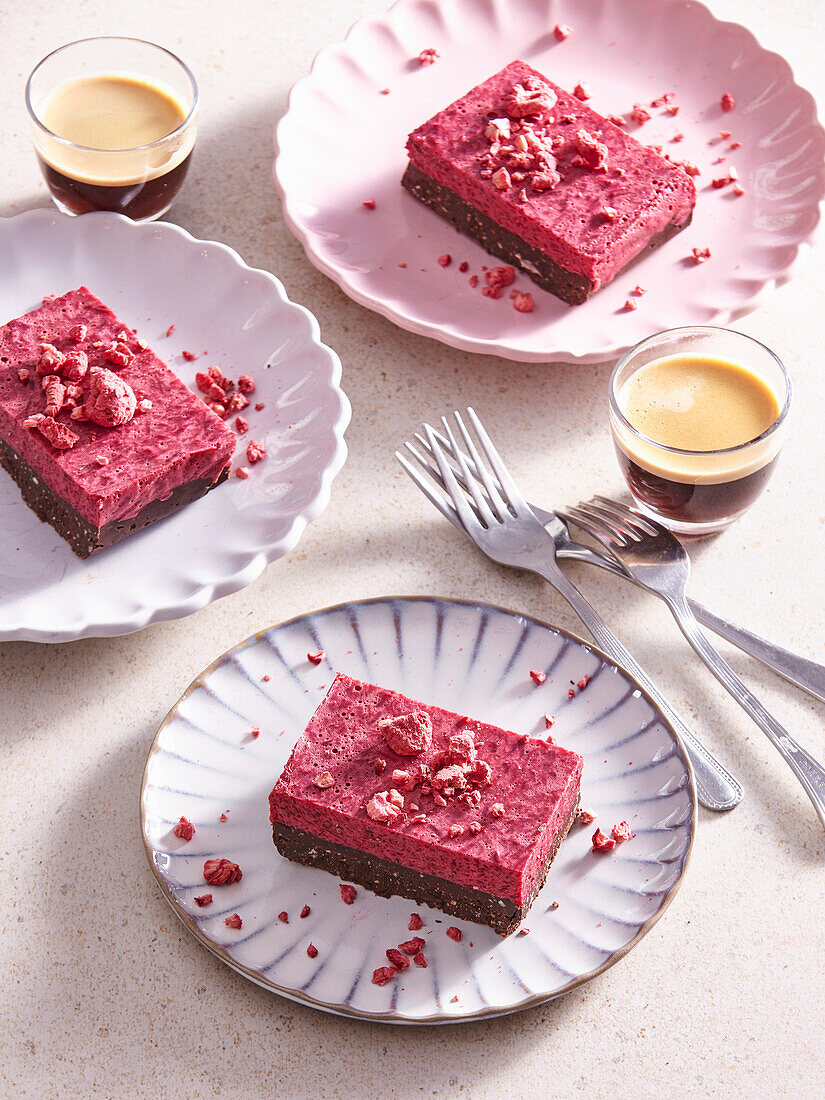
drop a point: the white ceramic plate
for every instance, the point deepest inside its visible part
(470, 658)
(342, 141)
(228, 314)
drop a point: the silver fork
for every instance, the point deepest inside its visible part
(498, 519)
(659, 562)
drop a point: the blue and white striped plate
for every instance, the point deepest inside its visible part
(467, 657)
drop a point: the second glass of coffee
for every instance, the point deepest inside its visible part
(113, 121)
(698, 417)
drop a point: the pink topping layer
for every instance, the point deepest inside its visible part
(567, 222)
(176, 441)
(536, 783)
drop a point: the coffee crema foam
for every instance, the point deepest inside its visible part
(697, 404)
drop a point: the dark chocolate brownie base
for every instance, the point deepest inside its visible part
(567, 285)
(83, 537)
(388, 879)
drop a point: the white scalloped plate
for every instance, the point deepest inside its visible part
(470, 658)
(342, 141)
(153, 276)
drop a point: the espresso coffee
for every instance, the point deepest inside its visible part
(119, 149)
(695, 415)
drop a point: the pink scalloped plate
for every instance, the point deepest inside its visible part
(341, 142)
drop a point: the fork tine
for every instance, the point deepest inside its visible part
(599, 526)
(511, 494)
(428, 469)
(471, 483)
(621, 511)
(453, 490)
(481, 471)
(494, 497)
(447, 510)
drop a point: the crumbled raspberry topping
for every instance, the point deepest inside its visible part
(562, 31)
(101, 460)
(235, 404)
(445, 260)
(497, 278)
(610, 213)
(530, 98)
(537, 676)
(221, 872)
(662, 100)
(463, 266)
(592, 152)
(549, 721)
(727, 102)
(581, 91)
(415, 922)
(51, 360)
(383, 974)
(640, 114)
(184, 829)
(638, 291)
(78, 333)
(412, 947)
(621, 832)
(256, 733)
(497, 810)
(378, 765)
(189, 356)
(398, 960)
(283, 917)
(312, 950)
(586, 817)
(75, 366)
(23, 375)
(170, 330)
(735, 145)
(233, 922)
(223, 817)
(316, 658)
(601, 842)
(385, 806)
(305, 912)
(672, 110)
(738, 189)
(455, 830)
(348, 893)
(242, 472)
(473, 281)
(582, 684)
(617, 120)
(454, 934)
(408, 734)
(429, 56)
(498, 130)
(118, 354)
(245, 383)
(241, 425)
(203, 899)
(701, 255)
(523, 301)
(255, 452)
(60, 437)
(323, 780)
(419, 960)
(54, 392)
(501, 179)
(369, 204)
(110, 401)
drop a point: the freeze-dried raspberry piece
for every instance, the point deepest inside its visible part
(51, 360)
(415, 922)
(323, 780)
(241, 425)
(215, 393)
(617, 120)
(75, 366)
(473, 281)
(498, 130)
(204, 381)
(672, 110)
(501, 179)
(23, 375)
(368, 204)
(316, 658)
(203, 899)
(233, 922)
(621, 832)
(408, 734)
(385, 806)
(601, 842)
(455, 830)
(223, 817)
(221, 872)
(348, 893)
(312, 950)
(500, 277)
(474, 827)
(524, 100)
(592, 152)
(640, 114)
(255, 732)
(523, 302)
(170, 330)
(537, 676)
(571, 691)
(662, 100)
(255, 452)
(586, 817)
(246, 383)
(445, 260)
(242, 472)
(189, 356)
(549, 721)
(562, 31)
(411, 947)
(581, 91)
(110, 402)
(497, 810)
(727, 102)
(419, 960)
(735, 145)
(429, 56)
(55, 392)
(701, 255)
(454, 934)
(283, 917)
(184, 829)
(463, 266)
(378, 765)
(461, 748)
(78, 333)
(399, 961)
(118, 354)
(305, 912)
(383, 974)
(585, 680)
(60, 437)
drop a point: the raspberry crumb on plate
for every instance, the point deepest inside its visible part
(348, 893)
(184, 829)
(233, 921)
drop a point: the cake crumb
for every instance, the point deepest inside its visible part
(497, 810)
(348, 893)
(223, 817)
(246, 383)
(184, 829)
(203, 899)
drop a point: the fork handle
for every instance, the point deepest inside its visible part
(715, 786)
(809, 772)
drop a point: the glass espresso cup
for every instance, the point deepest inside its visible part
(698, 384)
(114, 123)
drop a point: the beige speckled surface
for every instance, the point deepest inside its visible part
(103, 992)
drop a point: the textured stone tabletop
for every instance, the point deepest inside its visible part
(104, 993)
